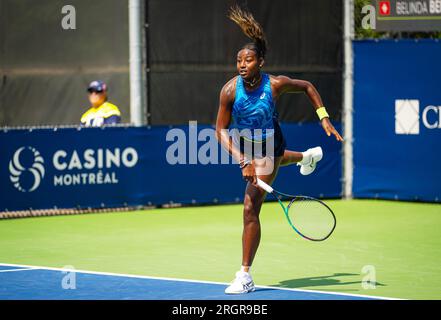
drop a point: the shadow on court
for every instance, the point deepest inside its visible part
(336, 279)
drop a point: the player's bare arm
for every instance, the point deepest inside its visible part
(283, 84)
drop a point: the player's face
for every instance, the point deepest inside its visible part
(97, 98)
(248, 64)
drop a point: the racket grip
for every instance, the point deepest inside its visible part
(264, 186)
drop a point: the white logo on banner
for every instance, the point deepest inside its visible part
(407, 116)
(433, 112)
(16, 169)
(92, 166)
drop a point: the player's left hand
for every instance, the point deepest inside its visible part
(329, 129)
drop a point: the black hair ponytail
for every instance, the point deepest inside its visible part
(251, 28)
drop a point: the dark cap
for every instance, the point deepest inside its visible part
(97, 85)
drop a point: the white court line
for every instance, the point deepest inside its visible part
(13, 270)
(194, 281)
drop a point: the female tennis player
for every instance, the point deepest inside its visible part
(248, 102)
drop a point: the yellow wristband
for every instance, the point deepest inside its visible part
(321, 112)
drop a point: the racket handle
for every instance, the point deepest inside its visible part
(264, 186)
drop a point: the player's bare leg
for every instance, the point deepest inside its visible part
(307, 160)
(291, 157)
(254, 197)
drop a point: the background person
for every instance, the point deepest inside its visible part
(101, 112)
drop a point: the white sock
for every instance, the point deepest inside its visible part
(306, 158)
(242, 269)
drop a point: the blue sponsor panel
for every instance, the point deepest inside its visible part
(127, 166)
(397, 120)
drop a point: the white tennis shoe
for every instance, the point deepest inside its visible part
(310, 159)
(243, 283)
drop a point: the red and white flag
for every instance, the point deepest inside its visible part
(384, 7)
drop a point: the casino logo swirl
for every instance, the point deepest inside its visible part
(26, 176)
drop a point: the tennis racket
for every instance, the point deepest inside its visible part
(309, 217)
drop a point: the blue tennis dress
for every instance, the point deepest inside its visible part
(256, 111)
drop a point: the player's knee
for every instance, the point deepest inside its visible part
(250, 218)
(251, 213)
(248, 209)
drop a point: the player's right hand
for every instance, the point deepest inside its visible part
(249, 173)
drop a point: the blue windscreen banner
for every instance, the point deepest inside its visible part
(397, 120)
(131, 166)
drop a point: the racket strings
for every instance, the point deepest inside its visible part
(311, 218)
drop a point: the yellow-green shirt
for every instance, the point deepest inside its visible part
(107, 113)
